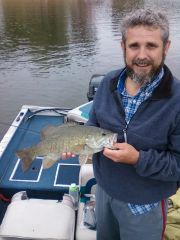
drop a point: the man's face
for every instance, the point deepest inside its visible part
(144, 53)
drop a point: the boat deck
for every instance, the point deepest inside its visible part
(49, 183)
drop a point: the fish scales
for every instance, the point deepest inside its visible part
(78, 139)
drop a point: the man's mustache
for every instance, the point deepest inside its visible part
(142, 61)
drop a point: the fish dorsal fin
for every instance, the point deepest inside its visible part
(52, 130)
(48, 131)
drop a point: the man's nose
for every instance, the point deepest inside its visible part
(142, 54)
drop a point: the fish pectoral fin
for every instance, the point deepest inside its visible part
(91, 142)
(89, 160)
(85, 158)
(78, 148)
(49, 160)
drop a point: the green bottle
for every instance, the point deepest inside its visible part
(74, 193)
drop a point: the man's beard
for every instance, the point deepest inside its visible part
(143, 78)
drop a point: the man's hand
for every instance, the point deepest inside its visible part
(66, 155)
(123, 153)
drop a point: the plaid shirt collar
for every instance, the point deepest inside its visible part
(131, 103)
(146, 89)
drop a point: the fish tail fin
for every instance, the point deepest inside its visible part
(26, 158)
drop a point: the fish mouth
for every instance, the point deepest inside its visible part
(111, 141)
(99, 144)
(114, 137)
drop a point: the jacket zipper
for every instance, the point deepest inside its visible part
(126, 126)
(125, 133)
(118, 101)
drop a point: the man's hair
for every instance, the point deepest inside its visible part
(148, 18)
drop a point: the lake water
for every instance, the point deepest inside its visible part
(50, 48)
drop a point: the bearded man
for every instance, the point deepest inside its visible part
(141, 103)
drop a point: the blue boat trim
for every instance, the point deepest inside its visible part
(85, 110)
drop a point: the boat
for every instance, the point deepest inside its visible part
(38, 184)
(25, 131)
(28, 191)
(35, 204)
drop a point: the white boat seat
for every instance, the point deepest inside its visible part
(82, 232)
(38, 219)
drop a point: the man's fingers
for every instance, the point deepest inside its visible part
(66, 155)
(63, 156)
(120, 145)
(110, 153)
(122, 152)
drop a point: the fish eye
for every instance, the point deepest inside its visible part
(103, 134)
